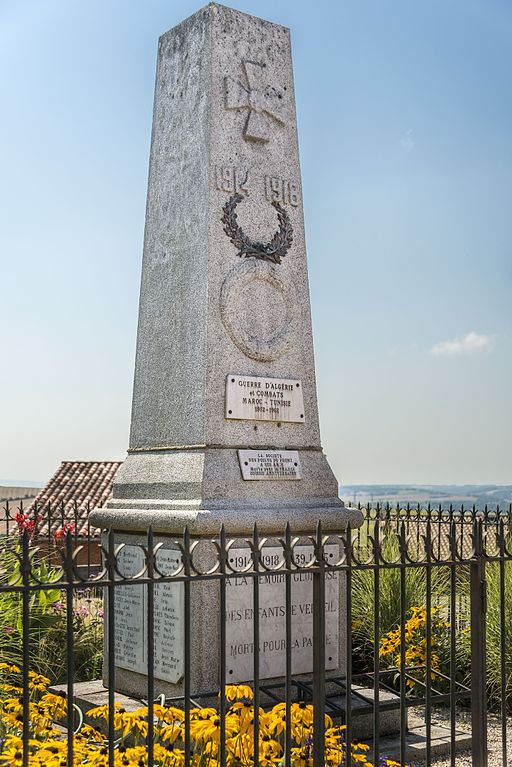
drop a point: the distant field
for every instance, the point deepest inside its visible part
(10, 493)
(444, 495)
(14, 496)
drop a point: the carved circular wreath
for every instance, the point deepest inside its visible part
(273, 251)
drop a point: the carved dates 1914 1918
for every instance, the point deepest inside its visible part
(272, 251)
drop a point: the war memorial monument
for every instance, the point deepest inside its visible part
(224, 427)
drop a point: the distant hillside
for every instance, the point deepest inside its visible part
(14, 493)
(21, 483)
(444, 495)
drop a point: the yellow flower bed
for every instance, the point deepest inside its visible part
(48, 742)
(415, 648)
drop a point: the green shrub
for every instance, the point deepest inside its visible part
(498, 644)
(47, 635)
(87, 638)
(42, 616)
(364, 598)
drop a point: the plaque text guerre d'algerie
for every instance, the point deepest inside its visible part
(256, 398)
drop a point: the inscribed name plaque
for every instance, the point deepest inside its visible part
(131, 610)
(272, 611)
(253, 398)
(270, 464)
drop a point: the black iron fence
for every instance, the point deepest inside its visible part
(296, 650)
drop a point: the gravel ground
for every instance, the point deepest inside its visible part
(463, 758)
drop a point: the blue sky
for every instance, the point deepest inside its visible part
(405, 126)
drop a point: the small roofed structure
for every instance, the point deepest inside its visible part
(65, 502)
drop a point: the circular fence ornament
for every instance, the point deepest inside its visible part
(257, 309)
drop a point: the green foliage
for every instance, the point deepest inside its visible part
(47, 635)
(42, 616)
(364, 598)
(498, 642)
(87, 624)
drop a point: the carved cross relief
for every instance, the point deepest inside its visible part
(262, 101)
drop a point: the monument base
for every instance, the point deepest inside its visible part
(168, 520)
(202, 488)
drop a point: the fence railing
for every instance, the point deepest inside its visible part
(324, 641)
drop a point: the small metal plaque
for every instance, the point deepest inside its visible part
(270, 464)
(264, 399)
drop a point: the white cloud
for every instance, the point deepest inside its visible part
(472, 342)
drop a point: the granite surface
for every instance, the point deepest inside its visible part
(184, 350)
(224, 124)
(224, 291)
(203, 633)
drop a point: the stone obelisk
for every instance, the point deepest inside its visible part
(224, 296)
(224, 425)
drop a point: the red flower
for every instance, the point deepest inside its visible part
(24, 522)
(68, 527)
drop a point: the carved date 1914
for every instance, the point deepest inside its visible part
(230, 179)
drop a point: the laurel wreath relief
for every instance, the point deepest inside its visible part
(273, 251)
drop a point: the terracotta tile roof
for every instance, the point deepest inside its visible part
(76, 488)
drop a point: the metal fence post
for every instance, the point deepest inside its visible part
(478, 666)
(319, 652)
(25, 618)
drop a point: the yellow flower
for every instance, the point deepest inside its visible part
(131, 721)
(172, 732)
(245, 713)
(88, 733)
(168, 714)
(207, 727)
(38, 682)
(55, 706)
(277, 719)
(48, 746)
(168, 756)
(301, 757)
(10, 668)
(238, 692)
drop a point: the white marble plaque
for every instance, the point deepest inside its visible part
(270, 464)
(272, 633)
(131, 609)
(264, 399)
